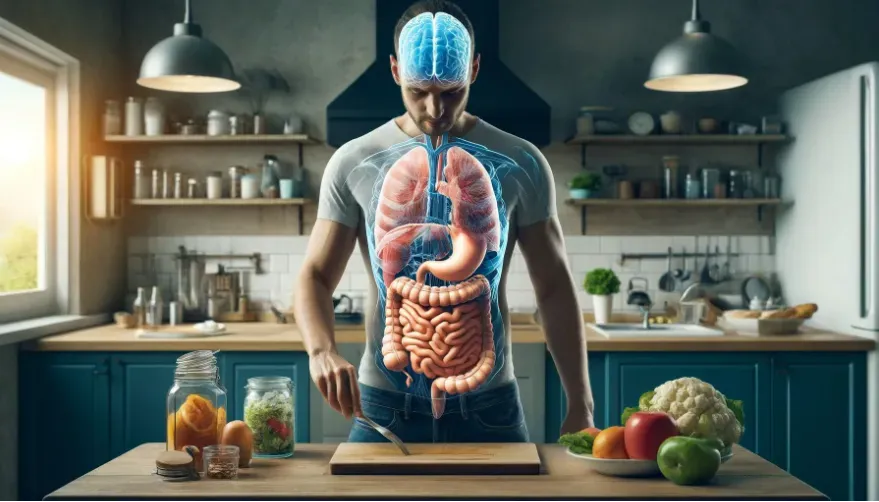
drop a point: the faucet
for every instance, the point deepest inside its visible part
(643, 301)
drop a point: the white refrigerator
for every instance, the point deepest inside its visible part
(826, 242)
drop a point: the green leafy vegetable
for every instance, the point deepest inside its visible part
(577, 442)
(644, 400)
(626, 414)
(738, 409)
(271, 420)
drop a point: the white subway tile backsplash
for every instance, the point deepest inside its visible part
(278, 263)
(151, 262)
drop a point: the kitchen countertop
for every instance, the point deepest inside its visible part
(306, 476)
(266, 336)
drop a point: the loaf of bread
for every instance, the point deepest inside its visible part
(787, 313)
(805, 310)
(742, 314)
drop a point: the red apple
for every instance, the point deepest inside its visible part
(645, 432)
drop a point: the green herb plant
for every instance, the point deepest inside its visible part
(601, 281)
(586, 181)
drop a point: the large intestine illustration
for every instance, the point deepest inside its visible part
(438, 235)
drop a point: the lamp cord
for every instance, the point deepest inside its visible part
(696, 15)
(187, 16)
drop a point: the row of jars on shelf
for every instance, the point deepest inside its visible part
(148, 118)
(715, 182)
(242, 184)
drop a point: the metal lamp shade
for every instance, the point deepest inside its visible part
(186, 62)
(696, 62)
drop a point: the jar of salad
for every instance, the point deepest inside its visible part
(268, 411)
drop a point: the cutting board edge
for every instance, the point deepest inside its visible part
(523, 469)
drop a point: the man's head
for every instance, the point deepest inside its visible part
(435, 64)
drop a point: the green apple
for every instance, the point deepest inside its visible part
(688, 460)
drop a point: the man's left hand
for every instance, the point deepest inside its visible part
(576, 421)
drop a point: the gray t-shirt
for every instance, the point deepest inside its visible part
(414, 203)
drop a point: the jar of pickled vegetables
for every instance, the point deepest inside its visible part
(268, 411)
(196, 406)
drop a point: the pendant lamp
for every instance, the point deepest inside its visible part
(187, 62)
(697, 61)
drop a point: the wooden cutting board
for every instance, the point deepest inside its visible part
(428, 458)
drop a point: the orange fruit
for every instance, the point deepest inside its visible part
(198, 414)
(610, 443)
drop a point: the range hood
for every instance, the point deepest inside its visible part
(497, 96)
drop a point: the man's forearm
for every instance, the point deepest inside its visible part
(565, 338)
(313, 307)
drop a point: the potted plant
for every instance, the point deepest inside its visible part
(584, 185)
(602, 284)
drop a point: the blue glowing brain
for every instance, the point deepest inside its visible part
(435, 50)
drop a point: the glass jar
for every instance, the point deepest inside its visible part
(141, 181)
(154, 117)
(215, 185)
(133, 117)
(771, 186)
(218, 123)
(221, 461)
(268, 411)
(196, 405)
(693, 187)
(710, 179)
(670, 180)
(235, 174)
(585, 122)
(112, 118)
(736, 184)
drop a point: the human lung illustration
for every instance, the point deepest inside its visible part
(443, 332)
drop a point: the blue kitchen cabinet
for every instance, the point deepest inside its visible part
(64, 419)
(742, 376)
(139, 385)
(556, 402)
(819, 421)
(239, 366)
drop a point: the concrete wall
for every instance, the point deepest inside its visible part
(90, 31)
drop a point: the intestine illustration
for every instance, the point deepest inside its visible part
(438, 234)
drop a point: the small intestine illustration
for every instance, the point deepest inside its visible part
(442, 332)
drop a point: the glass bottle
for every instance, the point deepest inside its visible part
(112, 118)
(139, 309)
(670, 179)
(141, 181)
(196, 405)
(154, 312)
(269, 411)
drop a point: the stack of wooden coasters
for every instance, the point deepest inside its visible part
(176, 466)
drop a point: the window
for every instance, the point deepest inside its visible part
(36, 148)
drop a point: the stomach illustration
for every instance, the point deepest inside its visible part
(438, 234)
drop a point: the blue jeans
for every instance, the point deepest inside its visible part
(492, 416)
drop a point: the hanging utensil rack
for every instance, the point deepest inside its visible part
(664, 256)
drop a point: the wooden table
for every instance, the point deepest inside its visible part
(306, 476)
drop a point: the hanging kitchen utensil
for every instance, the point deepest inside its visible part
(667, 281)
(725, 273)
(705, 276)
(716, 275)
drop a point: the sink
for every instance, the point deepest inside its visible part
(620, 330)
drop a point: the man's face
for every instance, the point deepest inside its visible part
(434, 107)
(435, 68)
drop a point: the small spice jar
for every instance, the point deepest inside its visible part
(268, 411)
(221, 461)
(215, 185)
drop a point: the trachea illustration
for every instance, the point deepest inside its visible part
(441, 203)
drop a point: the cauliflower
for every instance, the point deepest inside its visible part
(698, 408)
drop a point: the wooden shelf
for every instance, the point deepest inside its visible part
(202, 139)
(758, 204)
(297, 203)
(675, 202)
(220, 202)
(678, 139)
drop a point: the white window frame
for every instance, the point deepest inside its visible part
(30, 54)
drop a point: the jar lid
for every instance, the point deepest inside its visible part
(269, 381)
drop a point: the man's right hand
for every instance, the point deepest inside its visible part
(337, 380)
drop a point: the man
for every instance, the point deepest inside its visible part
(437, 199)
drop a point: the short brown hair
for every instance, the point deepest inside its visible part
(433, 6)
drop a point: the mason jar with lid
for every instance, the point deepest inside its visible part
(196, 405)
(268, 411)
